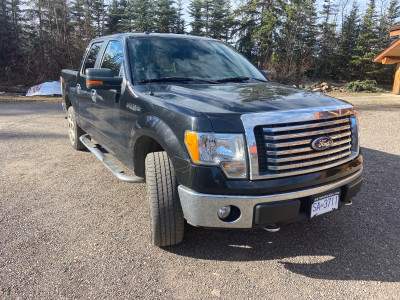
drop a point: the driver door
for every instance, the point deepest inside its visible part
(106, 102)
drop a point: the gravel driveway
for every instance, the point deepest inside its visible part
(69, 229)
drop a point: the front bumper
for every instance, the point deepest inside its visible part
(257, 211)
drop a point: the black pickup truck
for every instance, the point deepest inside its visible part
(216, 142)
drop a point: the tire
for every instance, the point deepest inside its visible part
(74, 130)
(165, 211)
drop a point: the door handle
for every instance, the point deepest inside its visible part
(94, 95)
(78, 88)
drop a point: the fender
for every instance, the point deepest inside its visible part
(155, 128)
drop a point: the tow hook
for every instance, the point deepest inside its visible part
(272, 228)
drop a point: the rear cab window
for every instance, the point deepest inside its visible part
(113, 58)
(92, 56)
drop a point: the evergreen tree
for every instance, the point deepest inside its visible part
(180, 21)
(348, 43)
(207, 15)
(78, 18)
(393, 16)
(327, 41)
(393, 12)
(118, 17)
(165, 16)
(243, 28)
(98, 15)
(261, 20)
(220, 21)
(114, 14)
(367, 46)
(295, 50)
(387, 19)
(142, 15)
(196, 13)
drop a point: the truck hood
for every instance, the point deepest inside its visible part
(223, 104)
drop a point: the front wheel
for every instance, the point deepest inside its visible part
(74, 130)
(165, 211)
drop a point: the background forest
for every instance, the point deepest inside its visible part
(295, 39)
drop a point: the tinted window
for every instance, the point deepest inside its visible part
(113, 57)
(92, 56)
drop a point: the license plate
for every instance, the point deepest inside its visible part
(324, 204)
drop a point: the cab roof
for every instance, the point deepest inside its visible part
(121, 36)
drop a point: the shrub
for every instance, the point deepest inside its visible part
(368, 86)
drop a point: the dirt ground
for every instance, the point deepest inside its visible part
(369, 101)
(69, 229)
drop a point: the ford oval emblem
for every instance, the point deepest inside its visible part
(322, 143)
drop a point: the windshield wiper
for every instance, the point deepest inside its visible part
(239, 78)
(233, 79)
(177, 79)
(162, 79)
(262, 80)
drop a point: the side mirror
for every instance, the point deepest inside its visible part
(102, 79)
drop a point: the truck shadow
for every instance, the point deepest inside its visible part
(360, 242)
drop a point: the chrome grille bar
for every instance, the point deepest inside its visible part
(304, 142)
(306, 149)
(306, 126)
(288, 144)
(315, 154)
(309, 163)
(308, 133)
(308, 170)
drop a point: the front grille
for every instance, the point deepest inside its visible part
(285, 149)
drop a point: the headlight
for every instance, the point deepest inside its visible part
(224, 150)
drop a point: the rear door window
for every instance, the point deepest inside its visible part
(92, 56)
(113, 58)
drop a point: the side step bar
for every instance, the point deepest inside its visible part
(108, 162)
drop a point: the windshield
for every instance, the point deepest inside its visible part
(172, 58)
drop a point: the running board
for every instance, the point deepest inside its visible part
(108, 162)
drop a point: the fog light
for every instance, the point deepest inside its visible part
(224, 212)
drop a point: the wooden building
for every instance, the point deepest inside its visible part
(392, 56)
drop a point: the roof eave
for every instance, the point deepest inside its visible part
(385, 53)
(394, 28)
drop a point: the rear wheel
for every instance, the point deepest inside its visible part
(74, 130)
(165, 211)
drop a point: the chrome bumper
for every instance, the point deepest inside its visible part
(201, 209)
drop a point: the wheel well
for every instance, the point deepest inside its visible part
(143, 146)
